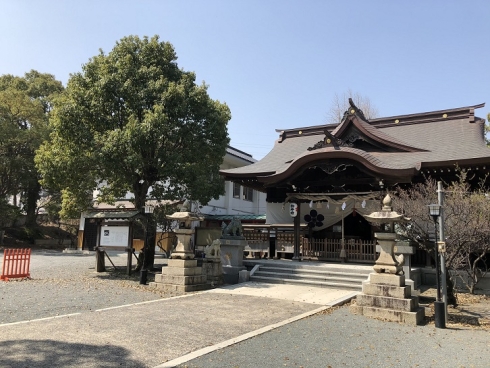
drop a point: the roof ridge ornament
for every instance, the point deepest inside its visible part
(331, 140)
(354, 110)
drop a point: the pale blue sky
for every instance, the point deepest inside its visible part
(277, 63)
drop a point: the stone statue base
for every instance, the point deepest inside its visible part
(181, 276)
(385, 296)
(232, 258)
(213, 270)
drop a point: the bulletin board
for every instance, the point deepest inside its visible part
(114, 236)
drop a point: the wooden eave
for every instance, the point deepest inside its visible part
(365, 160)
(479, 162)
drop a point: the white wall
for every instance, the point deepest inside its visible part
(227, 204)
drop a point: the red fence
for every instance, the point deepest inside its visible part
(16, 263)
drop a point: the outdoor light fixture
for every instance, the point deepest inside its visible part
(149, 209)
(439, 306)
(434, 211)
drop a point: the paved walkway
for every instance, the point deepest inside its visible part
(150, 333)
(71, 317)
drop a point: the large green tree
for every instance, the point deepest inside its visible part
(25, 104)
(132, 121)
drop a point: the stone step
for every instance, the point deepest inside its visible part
(401, 304)
(413, 318)
(293, 267)
(178, 288)
(308, 271)
(333, 277)
(326, 284)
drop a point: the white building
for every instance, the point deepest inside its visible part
(238, 200)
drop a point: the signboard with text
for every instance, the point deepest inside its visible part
(114, 236)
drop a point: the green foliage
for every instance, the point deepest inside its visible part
(24, 109)
(8, 213)
(133, 121)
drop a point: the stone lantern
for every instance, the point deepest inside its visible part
(182, 273)
(185, 234)
(385, 295)
(387, 262)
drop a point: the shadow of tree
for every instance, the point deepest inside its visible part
(51, 353)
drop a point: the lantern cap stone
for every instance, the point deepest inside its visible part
(387, 215)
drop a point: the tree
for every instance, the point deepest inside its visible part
(132, 121)
(467, 214)
(25, 103)
(340, 104)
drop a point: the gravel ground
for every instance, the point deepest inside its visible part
(146, 335)
(341, 339)
(67, 283)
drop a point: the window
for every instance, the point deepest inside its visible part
(248, 194)
(236, 190)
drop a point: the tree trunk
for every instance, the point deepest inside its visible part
(30, 205)
(149, 248)
(140, 193)
(451, 296)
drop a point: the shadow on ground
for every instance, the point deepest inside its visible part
(50, 353)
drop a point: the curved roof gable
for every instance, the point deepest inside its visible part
(355, 127)
(391, 146)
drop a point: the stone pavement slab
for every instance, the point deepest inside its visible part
(298, 293)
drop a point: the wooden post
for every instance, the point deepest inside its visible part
(271, 256)
(343, 254)
(297, 233)
(99, 254)
(130, 250)
(99, 260)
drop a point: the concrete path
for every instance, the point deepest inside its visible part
(297, 293)
(150, 333)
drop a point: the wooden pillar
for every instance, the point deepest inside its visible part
(343, 255)
(99, 254)
(129, 264)
(297, 233)
(99, 260)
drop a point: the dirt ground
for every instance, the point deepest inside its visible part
(472, 310)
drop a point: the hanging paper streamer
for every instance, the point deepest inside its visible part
(311, 204)
(363, 204)
(343, 206)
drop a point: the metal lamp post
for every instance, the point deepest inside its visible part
(146, 247)
(439, 307)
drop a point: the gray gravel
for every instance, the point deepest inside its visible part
(67, 283)
(139, 335)
(345, 340)
(146, 335)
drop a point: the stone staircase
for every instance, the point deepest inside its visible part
(319, 274)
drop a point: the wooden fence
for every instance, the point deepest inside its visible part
(329, 249)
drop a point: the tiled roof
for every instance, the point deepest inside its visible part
(230, 217)
(441, 138)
